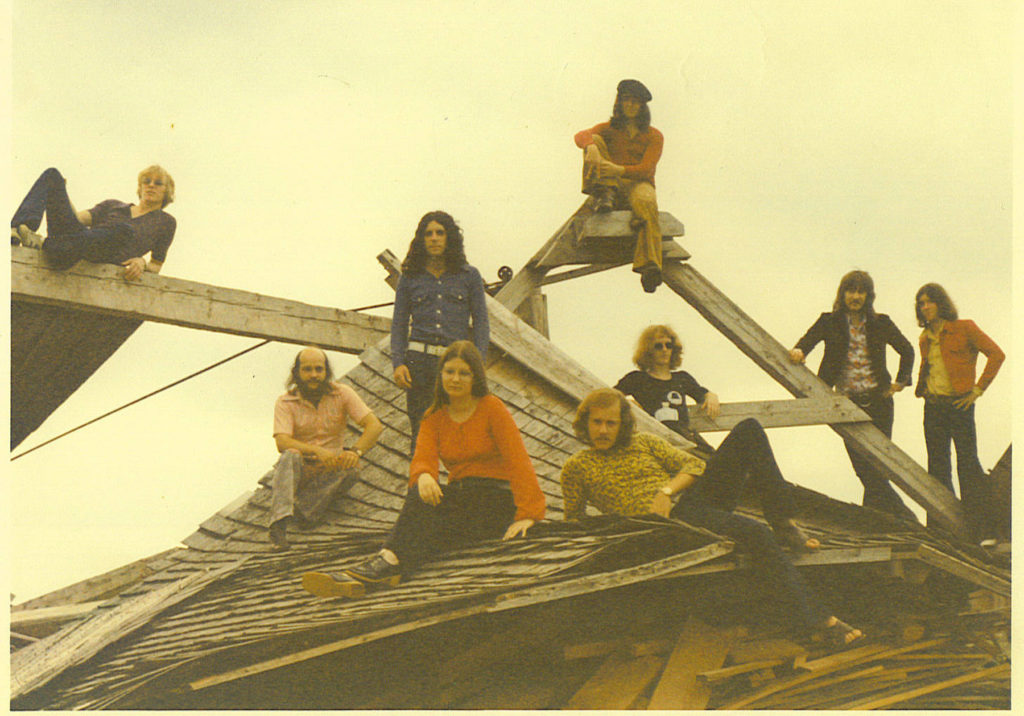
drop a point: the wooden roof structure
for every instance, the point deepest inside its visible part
(605, 613)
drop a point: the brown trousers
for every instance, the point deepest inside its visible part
(641, 199)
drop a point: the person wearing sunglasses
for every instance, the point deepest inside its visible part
(112, 232)
(661, 390)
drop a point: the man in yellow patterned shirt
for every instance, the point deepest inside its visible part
(628, 473)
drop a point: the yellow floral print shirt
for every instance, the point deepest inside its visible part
(623, 480)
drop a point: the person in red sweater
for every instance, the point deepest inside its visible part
(949, 355)
(491, 492)
(619, 159)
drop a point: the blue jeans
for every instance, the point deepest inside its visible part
(68, 240)
(746, 456)
(944, 423)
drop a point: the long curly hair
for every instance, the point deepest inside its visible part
(940, 298)
(856, 281)
(643, 356)
(454, 250)
(604, 398)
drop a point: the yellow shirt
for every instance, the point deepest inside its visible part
(938, 381)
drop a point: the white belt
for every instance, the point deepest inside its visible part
(428, 348)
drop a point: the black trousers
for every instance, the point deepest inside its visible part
(471, 511)
(745, 456)
(878, 492)
(944, 423)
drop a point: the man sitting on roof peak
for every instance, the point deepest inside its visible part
(310, 422)
(629, 473)
(619, 159)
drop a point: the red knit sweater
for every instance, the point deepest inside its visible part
(487, 444)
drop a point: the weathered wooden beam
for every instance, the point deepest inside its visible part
(534, 311)
(963, 570)
(616, 225)
(100, 288)
(617, 683)
(779, 413)
(773, 358)
(529, 277)
(577, 273)
(700, 648)
(613, 251)
(98, 588)
(52, 615)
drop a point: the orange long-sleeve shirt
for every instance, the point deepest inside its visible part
(639, 155)
(487, 444)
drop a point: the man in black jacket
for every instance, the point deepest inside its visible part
(854, 364)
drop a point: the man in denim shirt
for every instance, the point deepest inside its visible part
(443, 296)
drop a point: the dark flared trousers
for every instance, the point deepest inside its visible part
(746, 457)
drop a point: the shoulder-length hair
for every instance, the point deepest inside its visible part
(454, 250)
(605, 398)
(467, 352)
(643, 356)
(293, 376)
(618, 119)
(155, 170)
(856, 281)
(938, 295)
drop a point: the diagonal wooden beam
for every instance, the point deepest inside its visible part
(773, 358)
(779, 413)
(99, 288)
(529, 277)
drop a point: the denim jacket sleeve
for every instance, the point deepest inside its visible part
(400, 323)
(478, 312)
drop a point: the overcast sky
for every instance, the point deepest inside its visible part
(802, 139)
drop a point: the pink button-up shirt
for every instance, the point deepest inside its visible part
(323, 424)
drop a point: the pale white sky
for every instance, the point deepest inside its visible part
(803, 139)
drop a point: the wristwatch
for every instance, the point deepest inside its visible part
(667, 491)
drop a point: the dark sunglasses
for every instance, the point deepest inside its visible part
(663, 344)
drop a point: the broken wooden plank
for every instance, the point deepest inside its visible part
(766, 650)
(608, 580)
(617, 683)
(37, 663)
(964, 570)
(773, 358)
(700, 648)
(52, 615)
(727, 672)
(163, 299)
(100, 587)
(876, 702)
